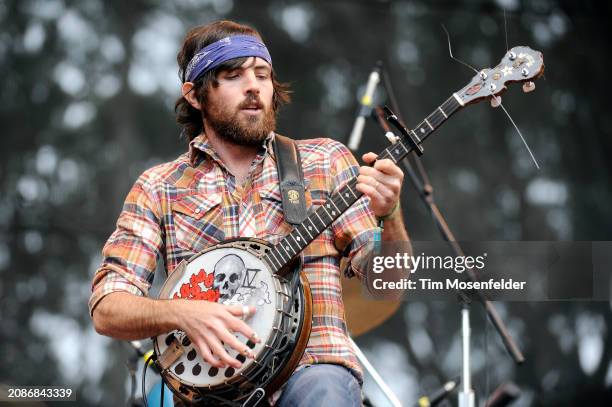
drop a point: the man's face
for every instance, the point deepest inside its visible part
(239, 109)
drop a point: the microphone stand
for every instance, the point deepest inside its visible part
(388, 393)
(425, 190)
(132, 366)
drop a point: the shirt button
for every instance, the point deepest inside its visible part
(198, 210)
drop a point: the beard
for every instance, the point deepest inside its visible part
(251, 130)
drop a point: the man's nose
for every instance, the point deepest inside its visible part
(251, 83)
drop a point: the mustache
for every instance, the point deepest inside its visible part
(251, 101)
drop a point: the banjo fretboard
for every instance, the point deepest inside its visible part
(339, 202)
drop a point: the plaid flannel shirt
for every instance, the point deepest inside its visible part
(177, 209)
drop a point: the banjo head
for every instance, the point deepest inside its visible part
(233, 274)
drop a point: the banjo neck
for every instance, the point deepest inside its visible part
(340, 201)
(519, 64)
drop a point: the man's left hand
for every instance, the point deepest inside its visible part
(382, 183)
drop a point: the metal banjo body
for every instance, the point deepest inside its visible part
(235, 273)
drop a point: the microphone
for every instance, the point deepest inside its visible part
(365, 110)
(436, 397)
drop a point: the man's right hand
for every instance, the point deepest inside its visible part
(210, 325)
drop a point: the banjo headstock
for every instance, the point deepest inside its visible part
(520, 64)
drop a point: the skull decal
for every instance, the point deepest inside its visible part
(229, 274)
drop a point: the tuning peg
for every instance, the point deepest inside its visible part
(528, 87)
(495, 101)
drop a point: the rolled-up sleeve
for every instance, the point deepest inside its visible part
(354, 230)
(131, 252)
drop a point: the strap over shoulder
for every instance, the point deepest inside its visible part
(291, 179)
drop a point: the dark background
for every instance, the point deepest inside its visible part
(87, 90)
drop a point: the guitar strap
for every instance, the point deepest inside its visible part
(291, 179)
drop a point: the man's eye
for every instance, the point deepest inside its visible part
(263, 76)
(231, 76)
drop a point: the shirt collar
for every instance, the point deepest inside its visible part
(200, 147)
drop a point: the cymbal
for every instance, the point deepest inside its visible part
(362, 314)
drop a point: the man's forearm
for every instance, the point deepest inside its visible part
(122, 315)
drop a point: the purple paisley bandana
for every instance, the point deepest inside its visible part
(215, 54)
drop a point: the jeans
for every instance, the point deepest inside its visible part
(321, 385)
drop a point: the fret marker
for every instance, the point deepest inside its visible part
(346, 195)
(430, 126)
(423, 130)
(298, 238)
(334, 213)
(287, 248)
(309, 227)
(328, 206)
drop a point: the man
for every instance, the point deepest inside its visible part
(226, 186)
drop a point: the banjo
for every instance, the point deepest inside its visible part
(252, 272)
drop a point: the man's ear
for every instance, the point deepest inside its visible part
(190, 95)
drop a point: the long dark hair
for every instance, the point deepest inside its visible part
(191, 119)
